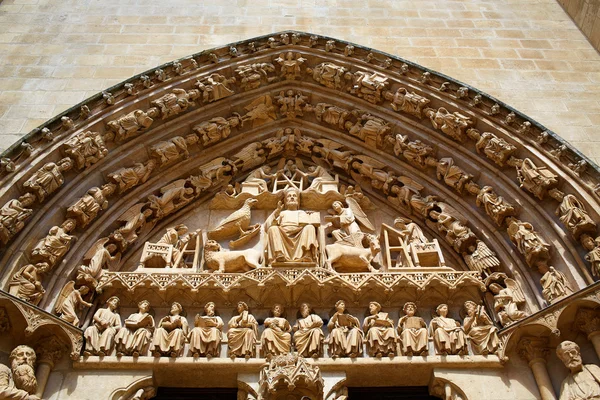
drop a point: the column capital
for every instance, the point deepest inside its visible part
(587, 320)
(49, 350)
(532, 348)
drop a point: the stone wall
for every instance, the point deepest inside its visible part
(586, 14)
(528, 53)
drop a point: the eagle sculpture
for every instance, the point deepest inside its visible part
(236, 223)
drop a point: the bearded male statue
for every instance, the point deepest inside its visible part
(18, 382)
(583, 381)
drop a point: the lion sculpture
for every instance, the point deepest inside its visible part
(230, 261)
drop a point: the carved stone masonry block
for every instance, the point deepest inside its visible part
(531, 348)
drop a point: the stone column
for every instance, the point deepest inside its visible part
(48, 352)
(534, 350)
(587, 321)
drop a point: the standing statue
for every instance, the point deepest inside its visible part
(242, 333)
(97, 258)
(48, 179)
(454, 125)
(494, 205)
(13, 215)
(529, 243)
(26, 283)
(345, 336)
(276, 338)
(99, 337)
(308, 336)
(87, 208)
(129, 125)
(453, 226)
(480, 329)
(134, 338)
(572, 213)
(507, 301)
(413, 332)
(69, 300)
(205, 338)
(172, 197)
(169, 338)
(583, 381)
(127, 178)
(292, 236)
(448, 336)
(380, 334)
(86, 148)
(534, 179)
(19, 382)
(55, 245)
(555, 285)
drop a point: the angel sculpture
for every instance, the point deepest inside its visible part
(453, 226)
(482, 259)
(173, 196)
(136, 223)
(98, 258)
(213, 173)
(349, 221)
(507, 300)
(237, 224)
(260, 111)
(331, 152)
(69, 300)
(365, 169)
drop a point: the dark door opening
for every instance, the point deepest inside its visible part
(390, 393)
(165, 393)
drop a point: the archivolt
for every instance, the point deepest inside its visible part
(172, 121)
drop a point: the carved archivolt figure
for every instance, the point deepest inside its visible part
(276, 338)
(175, 102)
(507, 301)
(593, 257)
(13, 215)
(26, 283)
(127, 178)
(169, 338)
(409, 102)
(369, 86)
(345, 336)
(290, 64)
(98, 257)
(216, 129)
(482, 259)
(480, 329)
(332, 115)
(173, 150)
(583, 381)
(130, 125)
(454, 227)
(496, 149)
(454, 124)
(134, 338)
(205, 338)
(242, 333)
(260, 111)
(172, 197)
(292, 236)
(413, 332)
(55, 245)
(86, 148)
(19, 382)
(215, 87)
(291, 105)
(416, 152)
(534, 179)
(529, 243)
(555, 285)
(136, 223)
(494, 205)
(48, 179)
(380, 334)
(572, 213)
(330, 75)
(308, 336)
(253, 75)
(69, 301)
(448, 336)
(86, 209)
(99, 337)
(176, 237)
(453, 176)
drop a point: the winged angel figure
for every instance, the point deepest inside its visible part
(482, 259)
(69, 301)
(97, 258)
(508, 299)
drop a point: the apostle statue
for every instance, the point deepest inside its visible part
(380, 333)
(413, 332)
(507, 301)
(242, 333)
(480, 329)
(276, 338)
(583, 381)
(555, 285)
(134, 339)
(205, 338)
(169, 338)
(308, 336)
(99, 337)
(292, 236)
(26, 283)
(448, 335)
(345, 336)
(69, 301)
(19, 382)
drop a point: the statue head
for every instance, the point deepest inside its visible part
(495, 288)
(241, 307)
(209, 309)
(409, 308)
(22, 364)
(176, 308)
(277, 310)
(340, 306)
(305, 310)
(374, 307)
(144, 306)
(470, 307)
(292, 199)
(113, 303)
(442, 310)
(337, 206)
(570, 354)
